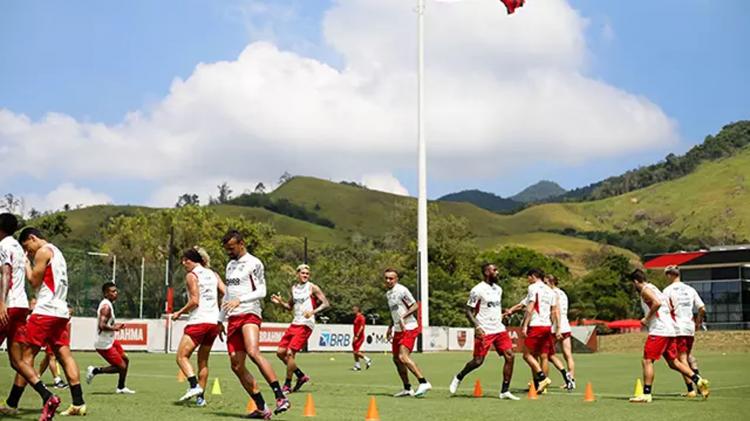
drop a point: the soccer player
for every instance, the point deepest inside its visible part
(106, 344)
(359, 339)
(563, 337)
(246, 287)
(484, 311)
(306, 301)
(14, 306)
(403, 332)
(686, 302)
(205, 290)
(537, 326)
(49, 360)
(661, 337)
(48, 322)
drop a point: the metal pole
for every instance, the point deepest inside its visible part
(422, 149)
(143, 270)
(114, 268)
(305, 261)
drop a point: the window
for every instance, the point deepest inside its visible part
(746, 272)
(725, 273)
(688, 275)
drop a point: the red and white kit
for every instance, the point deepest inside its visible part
(202, 325)
(562, 305)
(359, 324)
(486, 300)
(399, 300)
(661, 329)
(685, 302)
(246, 282)
(106, 344)
(539, 338)
(12, 256)
(47, 325)
(296, 336)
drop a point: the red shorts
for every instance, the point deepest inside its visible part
(202, 333)
(15, 329)
(113, 355)
(566, 335)
(540, 340)
(48, 351)
(235, 340)
(406, 339)
(47, 331)
(685, 344)
(295, 337)
(656, 346)
(500, 340)
(357, 344)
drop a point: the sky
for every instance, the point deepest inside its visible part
(138, 102)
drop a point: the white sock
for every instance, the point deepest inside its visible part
(356, 364)
(368, 359)
(57, 380)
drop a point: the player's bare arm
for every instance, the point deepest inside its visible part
(5, 274)
(104, 317)
(653, 304)
(515, 309)
(478, 331)
(527, 317)
(324, 304)
(700, 317)
(191, 282)
(555, 315)
(35, 273)
(280, 301)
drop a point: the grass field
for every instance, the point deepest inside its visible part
(340, 394)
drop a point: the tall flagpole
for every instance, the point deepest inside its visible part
(422, 201)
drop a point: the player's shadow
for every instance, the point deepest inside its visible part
(102, 393)
(228, 414)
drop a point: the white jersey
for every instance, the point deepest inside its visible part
(105, 338)
(246, 282)
(208, 297)
(685, 302)
(543, 298)
(562, 305)
(304, 300)
(662, 324)
(486, 300)
(399, 300)
(52, 296)
(11, 254)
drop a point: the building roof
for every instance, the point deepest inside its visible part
(699, 258)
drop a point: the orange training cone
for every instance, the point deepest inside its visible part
(372, 411)
(309, 407)
(532, 391)
(588, 396)
(181, 376)
(478, 389)
(251, 406)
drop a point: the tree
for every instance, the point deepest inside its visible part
(285, 177)
(33, 213)
(260, 188)
(10, 203)
(187, 199)
(66, 207)
(225, 193)
(54, 226)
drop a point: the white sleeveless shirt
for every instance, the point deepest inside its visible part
(53, 293)
(208, 297)
(662, 324)
(105, 338)
(304, 300)
(11, 254)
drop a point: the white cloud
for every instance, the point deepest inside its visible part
(384, 182)
(65, 194)
(501, 90)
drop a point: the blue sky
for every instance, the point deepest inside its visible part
(96, 61)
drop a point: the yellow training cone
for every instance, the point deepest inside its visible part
(638, 391)
(251, 406)
(216, 388)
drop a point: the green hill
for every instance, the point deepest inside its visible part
(484, 200)
(543, 190)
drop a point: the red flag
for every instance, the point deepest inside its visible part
(511, 5)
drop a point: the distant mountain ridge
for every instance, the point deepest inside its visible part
(484, 200)
(543, 190)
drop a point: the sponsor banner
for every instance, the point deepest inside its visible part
(338, 338)
(133, 334)
(137, 335)
(436, 338)
(270, 336)
(460, 339)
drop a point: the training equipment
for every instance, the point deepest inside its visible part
(638, 391)
(588, 395)
(372, 411)
(309, 410)
(300, 381)
(454, 385)
(509, 396)
(257, 414)
(191, 393)
(543, 385)
(74, 410)
(703, 387)
(532, 391)
(180, 377)
(478, 389)
(251, 406)
(89, 374)
(216, 388)
(422, 389)
(200, 402)
(282, 405)
(641, 399)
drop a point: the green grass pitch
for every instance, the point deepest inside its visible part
(340, 394)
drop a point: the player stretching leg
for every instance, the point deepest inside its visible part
(661, 337)
(14, 306)
(306, 301)
(48, 322)
(106, 344)
(359, 339)
(484, 311)
(205, 290)
(246, 287)
(403, 332)
(685, 302)
(563, 337)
